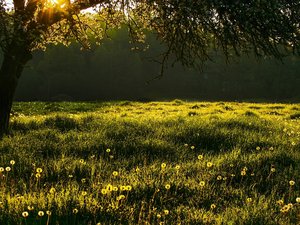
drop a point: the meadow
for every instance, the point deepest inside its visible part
(166, 163)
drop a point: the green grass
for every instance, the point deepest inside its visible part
(149, 163)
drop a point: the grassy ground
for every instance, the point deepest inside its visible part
(151, 163)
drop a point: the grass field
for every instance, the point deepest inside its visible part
(151, 163)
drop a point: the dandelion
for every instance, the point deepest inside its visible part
(273, 169)
(122, 188)
(280, 202)
(298, 199)
(219, 177)
(292, 183)
(30, 208)
(249, 200)
(271, 148)
(1, 169)
(257, 148)
(25, 214)
(177, 167)
(158, 216)
(115, 173)
(213, 206)
(48, 213)
(108, 150)
(202, 183)
(167, 186)
(163, 165)
(243, 172)
(128, 188)
(120, 197)
(83, 180)
(52, 190)
(7, 169)
(81, 161)
(115, 188)
(39, 170)
(41, 213)
(104, 191)
(200, 157)
(38, 175)
(83, 193)
(209, 164)
(224, 178)
(75, 211)
(166, 212)
(285, 209)
(137, 169)
(109, 187)
(192, 147)
(12, 162)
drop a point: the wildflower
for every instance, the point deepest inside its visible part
(122, 188)
(38, 175)
(81, 161)
(271, 148)
(120, 197)
(75, 211)
(192, 147)
(137, 169)
(202, 183)
(167, 186)
(115, 173)
(109, 187)
(163, 165)
(41, 213)
(83, 193)
(166, 212)
(70, 176)
(52, 190)
(1, 169)
(273, 169)
(30, 208)
(48, 213)
(12, 162)
(25, 214)
(298, 199)
(285, 209)
(213, 206)
(292, 183)
(280, 202)
(200, 157)
(128, 188)
(115, 188)
(209, 164)
(83, 180)
(219, 177)
(177, 167)
(39, 170)
(243, 172)
(249, 200)
(7, 169)
(108, 150)
(104, 191)
(257, 148)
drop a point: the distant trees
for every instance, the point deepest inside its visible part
(190, 29)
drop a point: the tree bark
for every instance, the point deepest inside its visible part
(11, 69)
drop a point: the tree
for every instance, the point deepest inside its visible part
(189, 28)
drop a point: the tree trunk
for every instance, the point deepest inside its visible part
(12, 67)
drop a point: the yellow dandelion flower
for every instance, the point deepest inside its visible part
(7, 169)
(30, 208)
(167, 186)
(200, 157)
(109, 187)
(12, 162)
(213, 206)
(115, 173)
(280, 202)
(137, 169)
(39, 170)
(166, 212)
(202, 183)
(81, 161)
(273, 169)
(25, 214)
(41, 213)
(209, 164)
(108, 150)
(292, 183)
(120, 197)
(115, 188)
(192, 147)
(257, 148)
(75, 211)
(83, 193)
(163, 165)
(52, 190)
(128, 188)
(298, 199)
(1, 169)
(158, 216)
(122, 188)
(48, 212)
(104, 191)
(177, 167)
(38, 175)
(249, 200)
(243, 172)
(219, 177)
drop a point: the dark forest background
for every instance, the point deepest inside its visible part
(113, 71)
